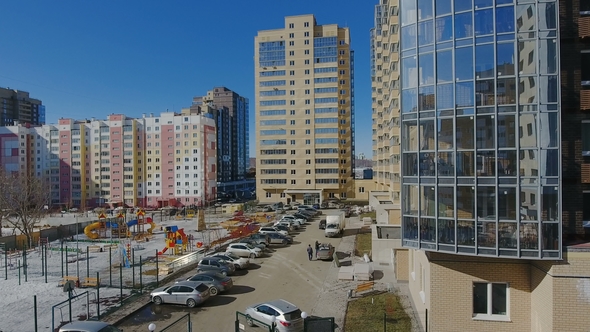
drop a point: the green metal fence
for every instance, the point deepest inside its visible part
(245, 323)
(183, 324)
(319, 324)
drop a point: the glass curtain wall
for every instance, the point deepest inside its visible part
(480, 127)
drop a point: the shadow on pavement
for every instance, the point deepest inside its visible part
(218, 300)
(240, 289)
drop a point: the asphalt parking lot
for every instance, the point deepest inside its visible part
(286, 273)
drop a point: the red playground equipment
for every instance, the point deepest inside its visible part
(175, 239)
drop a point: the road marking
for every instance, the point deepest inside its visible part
(303, 273)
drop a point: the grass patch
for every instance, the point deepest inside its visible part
(363, 244)
(367, 314)
(372, 214)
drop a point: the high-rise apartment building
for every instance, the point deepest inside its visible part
(17, 107)
(492, 161)
(230, 111)
(304, 112)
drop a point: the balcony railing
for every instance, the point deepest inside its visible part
(584, 27)
(585, 99)
(585, 173)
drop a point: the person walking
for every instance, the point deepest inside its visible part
(317, 248)
(309, 251)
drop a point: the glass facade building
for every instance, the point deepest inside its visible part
(480, 111)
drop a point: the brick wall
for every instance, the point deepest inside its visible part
(541, 299)
(401, 264)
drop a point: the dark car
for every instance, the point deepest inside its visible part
(253, 242)
(325, 252)
(302, 216)
(316, 206)
(216, 264)
(215, 281)
(275, 237)
(322, 224)
(259, 238)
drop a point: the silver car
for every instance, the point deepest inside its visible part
(239, 262)
(216, 264)
(286, 315)
(189, 293)
(88, 326)
(216, 282)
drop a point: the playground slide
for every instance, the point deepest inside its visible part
(88, 230)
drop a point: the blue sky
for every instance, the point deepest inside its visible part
(88, 59)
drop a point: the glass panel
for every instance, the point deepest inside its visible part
(446, 231)
(465, 202)
(444, 71)
(426, 71)
(505, 59)
(502, 2)
(507, 235)
(529, 236)
(524, 18)
(526, 57)
(464, 63)
(527, 87)
(466, 233)
(408, 39)
(486, 163)
(465, 163)
(408, 14)
(411, 201)
(427, 164)
(463, 25)
(505, 19)
(427, 131)
(444, 28)
(528, 130)
(547, 16)
(428, 201)
(427, 230)
(426, 98)
(409, 101)
(484, 22)
(464, 94)
(425, 33)
(425, 9)
(528, 203)
(499, 299)
(486, 202)
(486, 234)
(529, 165)
(507, 203)
(486, 128)
(445, 134)
(483, 3)
(444, 96)
(409, 73)
(410, 228)
(461, 5)
(549, 162)
(548, 86)
(484, 93)
(548, 130)
(507, 163)
(445, 164)
(484, 61)
(548, 56)
(410, 164)
(506, 91)
(410, 138)
(506, 131)
(480, 297)
(465, 127)
(550, 236)
(443, 7)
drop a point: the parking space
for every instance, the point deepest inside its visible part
(284, 273)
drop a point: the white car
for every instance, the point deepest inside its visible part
(244, 250)
(266, 230)
(239, 262)
(290, 225)
(292, 217)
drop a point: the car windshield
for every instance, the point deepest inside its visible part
(232, 255)
(202, 287)
(331, 226)
(249, 246)
(293, 315)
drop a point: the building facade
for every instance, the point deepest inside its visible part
(231, 113)
(492, 143)
(304, 112)
(17, 107)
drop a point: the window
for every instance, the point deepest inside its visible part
(291, 25)
(306, 24)
(291, 35)
(490, 301)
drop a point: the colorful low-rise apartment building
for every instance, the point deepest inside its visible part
(121, 161)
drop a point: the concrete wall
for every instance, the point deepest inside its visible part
(541, 297)
(419, 283)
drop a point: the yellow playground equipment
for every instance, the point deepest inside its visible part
(175, 239)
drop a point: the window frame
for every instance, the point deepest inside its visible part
(489, 316)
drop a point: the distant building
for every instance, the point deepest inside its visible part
(363, 173)
(17, 107)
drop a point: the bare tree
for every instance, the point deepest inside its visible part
(24, 199)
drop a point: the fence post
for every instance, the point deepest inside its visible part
(384, 322)
(35, 310)
(6, 264)
(133, 268)
(42, 262)
(157, 270)
(110, 265)
(426, 325)
(66, 260)
(140, 276)
(87, 262)
(62, 258)
(98, 295)
(121, 278)
(46, 265)
(19, 272)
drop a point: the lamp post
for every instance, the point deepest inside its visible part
(152, 327)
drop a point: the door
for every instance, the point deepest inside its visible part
(183, 294)
(172, 293)
(265, 313)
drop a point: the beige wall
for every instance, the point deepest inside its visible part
(401, 264)
(419, 281)
(541, 297)
(367, 185)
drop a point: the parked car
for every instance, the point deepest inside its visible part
(216, 264)
(249, 240)
(347, 212)
(312, 210)
(215, 281)
(276, 238)
(260, 238)
(189, 293)
(284, 228)
(303, 216)
(322, 224)
(244, 250)
(284, 314)
(288, 224)
(88, 326)
(316, 206)
(266, 230)
(294, 218)
(325, 252)
(239, 262)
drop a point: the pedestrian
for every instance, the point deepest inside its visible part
(317, 248)
(309, 251)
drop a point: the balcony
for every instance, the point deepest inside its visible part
(585, 100)
(585, 173)
(584, 27)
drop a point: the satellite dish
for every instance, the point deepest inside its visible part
(69, 286)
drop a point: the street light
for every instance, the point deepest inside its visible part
(152, 327)
(304, 315)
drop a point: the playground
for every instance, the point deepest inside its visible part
(122, 259)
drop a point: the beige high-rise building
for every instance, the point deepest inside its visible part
(304, 112)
